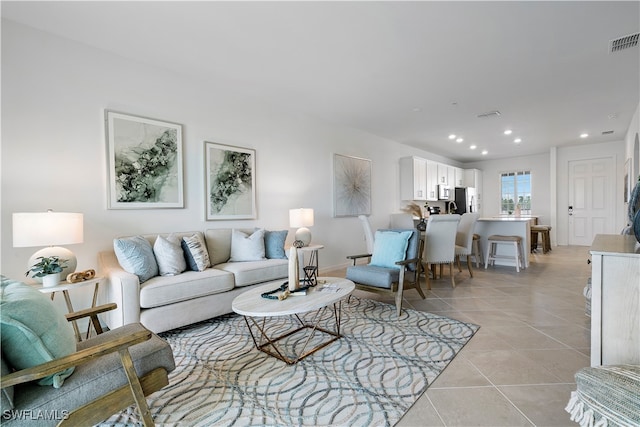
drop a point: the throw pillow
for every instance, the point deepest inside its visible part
(390, 247)
(198, 252)
(33, 330)
(135, 256)
(274, 244)
(169, 255)
(247, 248)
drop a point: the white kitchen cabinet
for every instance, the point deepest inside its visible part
(458, 174)
(473, 178)
(443, 174)
(432, 181)
(615, 300)
(413, 178)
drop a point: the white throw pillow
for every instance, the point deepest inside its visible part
(169, 255)
(247, 248)
(198, 251)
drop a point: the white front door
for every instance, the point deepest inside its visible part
(591, 196)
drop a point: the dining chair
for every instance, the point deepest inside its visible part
(368, 232)
(401, 221)
(440, 244)
(464, 238)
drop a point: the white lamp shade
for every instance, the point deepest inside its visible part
(302, 217)
(47, 229)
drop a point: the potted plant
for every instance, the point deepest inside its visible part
(49, 268)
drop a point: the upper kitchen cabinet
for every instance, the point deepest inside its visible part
(445, 175)
(413, 178)
(473, 178)
(432, 180)
(459, 177)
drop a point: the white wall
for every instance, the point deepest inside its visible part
(632, 145)
(491, 170)
(54, 93)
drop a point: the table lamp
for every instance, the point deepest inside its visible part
(49, 229)
(301, 218)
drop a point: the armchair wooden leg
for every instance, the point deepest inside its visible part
(136, 388)
(469, 265)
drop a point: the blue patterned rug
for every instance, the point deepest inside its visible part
(369, 377)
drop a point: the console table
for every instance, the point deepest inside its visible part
(615, 300)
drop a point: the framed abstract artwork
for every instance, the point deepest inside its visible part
(230, 182)
(144, 162)
(351, 186)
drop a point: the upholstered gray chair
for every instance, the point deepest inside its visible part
(395, 264)
(464, 238)
(95, 378)
(440, 244)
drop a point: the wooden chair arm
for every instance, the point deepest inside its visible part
(408, 261)
(90, 311)
(74, 359)
(358, 256)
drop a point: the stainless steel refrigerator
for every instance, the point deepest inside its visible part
(466, 200)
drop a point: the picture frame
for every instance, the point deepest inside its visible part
(351, 186)
(628, 185)
(144, 162)
(230, 182)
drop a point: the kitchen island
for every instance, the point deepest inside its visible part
(506, 226)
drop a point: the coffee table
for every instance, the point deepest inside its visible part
(327, 295)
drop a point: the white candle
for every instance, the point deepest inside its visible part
(294, 279)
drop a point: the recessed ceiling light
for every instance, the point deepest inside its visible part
(473, 147)
(508, 132)
(485, 152)
(517, 140)
(459, 140)
(452, 136)
(417, 109)
(584, 135)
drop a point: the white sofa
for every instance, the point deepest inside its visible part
(162, 303)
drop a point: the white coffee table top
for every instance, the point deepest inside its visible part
(252, 304)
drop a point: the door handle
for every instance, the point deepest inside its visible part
(570, 210)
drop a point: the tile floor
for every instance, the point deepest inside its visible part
(518, 369)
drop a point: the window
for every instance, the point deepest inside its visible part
(515, 189)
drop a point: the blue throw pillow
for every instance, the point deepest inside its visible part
(33, 330)
(274, 244)
(389, 248)
(135, 256)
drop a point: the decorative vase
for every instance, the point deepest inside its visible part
(422, 225)
(51, 280)
(294, 272)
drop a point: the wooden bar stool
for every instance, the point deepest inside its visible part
(476, 250)
(492, 244)
(544, 231)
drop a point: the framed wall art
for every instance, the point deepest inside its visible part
(144, 162)
(351, 186)
(230, 182)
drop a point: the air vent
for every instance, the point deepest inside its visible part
(623, 43)
(607, 132)
(494, 113)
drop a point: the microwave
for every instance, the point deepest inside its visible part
(444, 192)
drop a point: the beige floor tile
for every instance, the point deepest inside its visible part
(421, 414)
(508, 367)
(563, 363)
(542, 404)
(572, 335)
(478, 406)
(525, 337)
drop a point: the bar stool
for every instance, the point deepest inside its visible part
(492, 244)
(476, 250)
(544, 231)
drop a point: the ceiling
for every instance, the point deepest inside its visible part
(413, 72)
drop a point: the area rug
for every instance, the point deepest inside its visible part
(369, 377)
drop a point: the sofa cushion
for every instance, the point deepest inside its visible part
(135, 256)
(274, 244)
(252, 272)
(198, 251)
(379, 277)
(247, 247)
(163, 290)
(32, 329)
(219, 243)
(169, 255)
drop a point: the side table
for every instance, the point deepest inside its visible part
(65, 287)
(310, 267)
